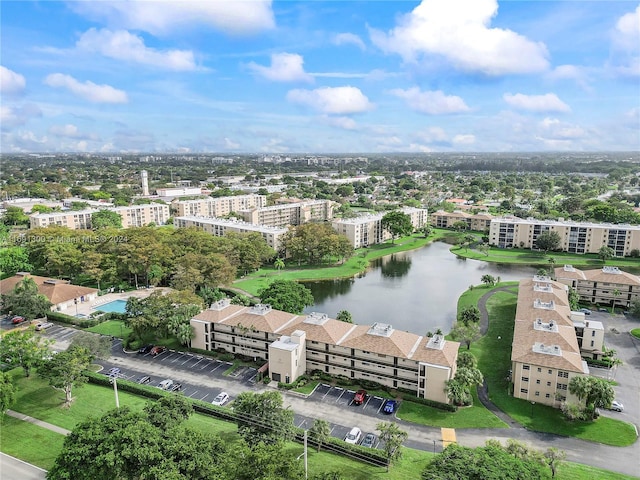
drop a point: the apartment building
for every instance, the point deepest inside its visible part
(141, 215)
(218, 207)
(220, 227)
(367, 229)
(72, 219)
(545, 352)
(478, 222)
(290, 213)
(133, 216)
(576, 237)
(293, 344)
(178, 191)
(608, 285)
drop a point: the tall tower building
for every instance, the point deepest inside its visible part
(145, 183)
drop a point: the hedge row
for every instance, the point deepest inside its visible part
(78, 322)
(597, 362)
(411, 397)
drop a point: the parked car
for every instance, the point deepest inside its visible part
(616, 406)
(43, 326)
(369, 441)
(586, 311)
(221, 399)
(18, 320)
(157, 350)
(602, 309)
(114, 371)
(143, 380)
(166, 384)
(390, 406)
(176, 387)
(145, 349)
(353, 436)
(359, 397)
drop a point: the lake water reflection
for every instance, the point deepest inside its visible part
(415, 291)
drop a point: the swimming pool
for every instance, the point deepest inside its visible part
(116, 306)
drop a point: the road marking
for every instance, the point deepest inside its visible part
(367, 402)
(338, 399)
(204, 396)
(191, 396)
(196, 363)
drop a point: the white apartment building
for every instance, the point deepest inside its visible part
(367, 229)
(220, 227)
(576, 237)
(72, 219)
(478, 222)
(133, 216)
(178, 191)
(290, 213)
(141, 215)
(218, 207)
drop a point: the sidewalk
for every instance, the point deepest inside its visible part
(37, 422)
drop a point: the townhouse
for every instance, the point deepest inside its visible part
(576, 237)
(608, 286)
(478, 222)
(218, 207)
(294, 344)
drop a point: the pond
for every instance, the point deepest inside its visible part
(416, 291)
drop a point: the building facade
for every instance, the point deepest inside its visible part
(377, 353)
(290, 213)
(478, 222)
(133, 216)
(576, 237)
(72, 219)
(220, 227)
(218, 207)
(608, 286)
(142, 215)
(367, 229)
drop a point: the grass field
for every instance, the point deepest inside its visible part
(112, 328)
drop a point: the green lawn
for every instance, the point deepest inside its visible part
(29, 442)
(493, 353)
(636, 332)
(308, 387)
(112, 328)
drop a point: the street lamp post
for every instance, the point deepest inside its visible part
(434, 446)
(532, 405)
(113, 379)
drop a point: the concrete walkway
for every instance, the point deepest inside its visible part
(40, 423)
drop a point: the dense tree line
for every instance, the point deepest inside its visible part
(315, 243)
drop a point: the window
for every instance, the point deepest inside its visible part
(537, 394)
(539, 369)
(563, 374)
(524, 390)
(592, 342)
(548, 384)
(525, 367)
(593, 333)
(538, 382)
(550, 371)
(525, 379)
(548, 396)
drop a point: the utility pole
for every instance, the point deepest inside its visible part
(306, 465)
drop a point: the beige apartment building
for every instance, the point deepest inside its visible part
(478, 222)
(133, 216)
(545, 352)
(293, 344)
(220, 227)
(218, 207)
(577, 237)
(608, 285)
(367, 229)
(290, 213)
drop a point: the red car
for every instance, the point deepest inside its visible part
(17, 320)
(157, 350)
(359, 397)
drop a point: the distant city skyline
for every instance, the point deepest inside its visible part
(282, 77)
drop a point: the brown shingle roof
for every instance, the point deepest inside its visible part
(57, 291)
(267, 322)
(215, 316)
(329, 332)
(398, 344)
(448, 355)
(623, 278)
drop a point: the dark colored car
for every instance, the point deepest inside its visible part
(390, 406)
(359, 397)
(145, 349)
(18, 319)
(176, 387)
(143, 380)
(156, 350)
(370, 441)
(115, 371)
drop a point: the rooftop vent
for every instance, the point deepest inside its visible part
(381, 330)
(569, 268)
(547, 349)
(541, 278)
(315, 318)
(542, 287)
(614, 270)
(260, 309)
(220, 304)
(548, 327)
(436, 342)
(550, 305)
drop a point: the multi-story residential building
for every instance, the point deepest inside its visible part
(178, 191)
(576, 237)
(218, 207)
(141, 215)
(290, 213)
(293, 344)
(133, 216)
(367, 229)
(73, 219)
(479, 222)
(606, 286)
(220, 227)
(545, 353)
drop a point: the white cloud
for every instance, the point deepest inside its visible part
(11, 83)
(571, 72)
(349, 39)
(626, 44)
(432, 135)
(285, 67)
(164, 16)
(467, 139)
(123, 45)
(548, 102)
(332, 100)
(431, 102)
(554, 129)
(459, 31)
(346, 123)
(12, 116)
(230, 145)
(71, 131)
(87, 90)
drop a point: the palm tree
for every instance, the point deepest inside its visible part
(616, 294)
(278, 264)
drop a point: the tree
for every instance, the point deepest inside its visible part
(66, 370)
(287, 295)
(606, 253)
(595, 392)
(265, 461)
(7, 392)
(548, 240)
(574, 299)
(320, 431)
(465, 333)
(98, 346)
(106, 219)
(488, 280)
(24, 349)
(15, 216)
(484, 249)
(393, 438)
(278, 263)
(13, 260)
(168, 412)
(634, 307)
(261, 418)
(466, 360)
(554, 458)
(460, 226)
(397, 223)
(469, 314)
(457, 392)
(344, 316)
(25, 300)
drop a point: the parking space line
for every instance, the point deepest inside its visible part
(197, 362)
(327, 393)
(366, 403)
(343, 392)
(191, 396)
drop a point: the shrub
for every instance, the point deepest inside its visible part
(226, 357)
(68, 319)
(411, 397)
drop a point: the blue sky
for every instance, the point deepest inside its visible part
(313, 76)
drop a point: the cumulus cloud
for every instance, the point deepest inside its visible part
(11, 83)
(285, 67)
(466, 139)
(431, 102)
(14, 116)
(230, 144)
(71, 131)
(548, 102)
(571, 72)
(459, 31)
(348, 39)
(626, 44)
(164, 16)
(87, 90)
(554, 129)
(346, 123)
(332, 100)
(432, 135)
(125, 46)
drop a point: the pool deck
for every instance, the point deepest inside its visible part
(88, 308)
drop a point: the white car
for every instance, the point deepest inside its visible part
(166, 384)
(44, 326)
(221, 399)
(353, 436)
(616, 406)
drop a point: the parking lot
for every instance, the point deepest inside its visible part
(341, 396)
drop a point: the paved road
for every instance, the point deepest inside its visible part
(14, 469)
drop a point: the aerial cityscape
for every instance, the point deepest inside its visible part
(326, 240)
